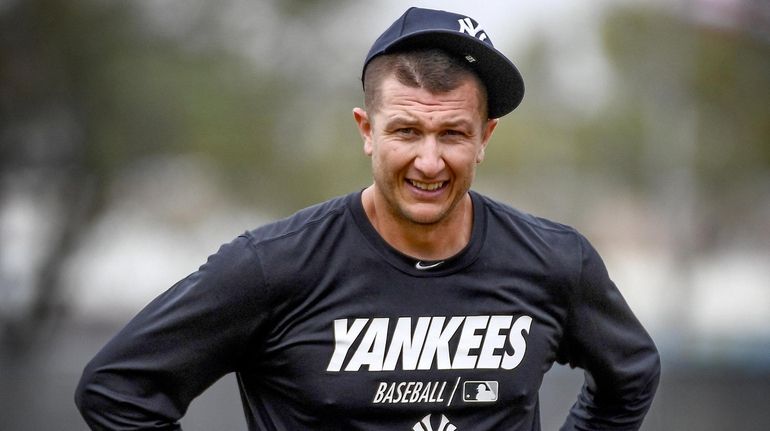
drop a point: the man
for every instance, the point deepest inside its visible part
(381, 309)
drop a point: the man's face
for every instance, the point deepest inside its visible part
(424, 148)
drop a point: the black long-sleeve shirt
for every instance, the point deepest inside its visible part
(330, 328)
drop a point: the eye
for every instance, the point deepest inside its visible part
(406, 131)
(455, 133)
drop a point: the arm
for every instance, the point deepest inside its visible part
(176, 347)
(621, 362)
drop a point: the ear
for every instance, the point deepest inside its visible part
(364, 128)
(489, 128)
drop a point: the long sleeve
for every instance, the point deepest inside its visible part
(177, 346)
(604, 338)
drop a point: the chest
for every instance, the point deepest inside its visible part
(385, 345)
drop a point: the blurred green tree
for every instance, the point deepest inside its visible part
(87, 88)
(701, 91)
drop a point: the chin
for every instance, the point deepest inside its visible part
(424, 217)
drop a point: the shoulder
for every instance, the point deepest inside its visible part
(543, 245)
(294, 252)
(505, 216)
(303, 222)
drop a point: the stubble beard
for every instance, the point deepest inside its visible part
(398, 209)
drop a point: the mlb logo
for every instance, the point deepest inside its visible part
(480, 391)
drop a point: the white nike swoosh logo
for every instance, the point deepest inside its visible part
(419, 265)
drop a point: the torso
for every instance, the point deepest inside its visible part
(364, 340)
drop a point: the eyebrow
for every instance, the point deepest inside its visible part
(459, 123)
(400, 119)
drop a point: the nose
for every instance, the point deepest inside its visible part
(429, 160)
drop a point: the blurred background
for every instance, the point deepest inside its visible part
(136, 137)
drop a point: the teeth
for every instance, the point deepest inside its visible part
(426, 186)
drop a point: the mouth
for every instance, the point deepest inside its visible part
(427, 187)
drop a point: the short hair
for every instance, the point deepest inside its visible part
(431, 69)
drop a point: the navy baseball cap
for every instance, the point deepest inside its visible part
(458, 35)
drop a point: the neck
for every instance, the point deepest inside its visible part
(435, 241)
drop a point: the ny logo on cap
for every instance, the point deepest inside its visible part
(466, 25)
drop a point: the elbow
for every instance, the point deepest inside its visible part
(108, 402)
(636, 390)
(653, 371)
(95, 401)
(82, 399)
(643, 402)
(654, 374)
(647, 380)
(87, 399)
